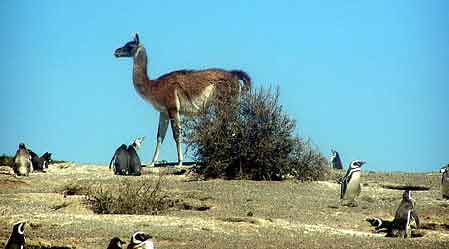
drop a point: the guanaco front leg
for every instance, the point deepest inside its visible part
(161, 132)
(176, 129)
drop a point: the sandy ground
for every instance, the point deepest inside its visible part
(234, 214)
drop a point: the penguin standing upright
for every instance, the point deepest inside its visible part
(350, 184)
(17, 238)
(405, 215)
(116, 243)
(119, 162)
(22, 161)
(445, 182)
(336, 160)
(141, 240)
(134, 164)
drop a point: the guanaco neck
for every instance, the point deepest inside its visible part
(140, 76)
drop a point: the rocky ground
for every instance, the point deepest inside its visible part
(219, 213)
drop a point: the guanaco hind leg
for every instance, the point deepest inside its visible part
(176, 129)
(161, 132)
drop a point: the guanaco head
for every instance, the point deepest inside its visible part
(129, 49)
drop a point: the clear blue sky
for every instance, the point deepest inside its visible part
(368, 78)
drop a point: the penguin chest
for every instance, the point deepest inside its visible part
(353, 188)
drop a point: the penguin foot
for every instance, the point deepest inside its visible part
(350, 204)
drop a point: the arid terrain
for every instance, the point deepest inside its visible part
(220, 213)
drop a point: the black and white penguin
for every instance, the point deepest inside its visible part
(40, 163)
(134, 164)
(119, 162)
(445, 182)
(350, 184)
(404, 217)
(336, 160)
(116, 243)
(22, 161)
(17, 238)
(141, 240)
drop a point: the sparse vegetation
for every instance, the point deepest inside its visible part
(129, 196)
(6, 160)
(218, 213)
(253, 139)
(74, 189)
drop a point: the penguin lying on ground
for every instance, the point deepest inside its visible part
(445, 182)
(350, 184)
(126, 161)
(141, 240)
(336, 160)
(404, 217)
(17, 238)
(22, 161)
(116, 243)
(380, 224)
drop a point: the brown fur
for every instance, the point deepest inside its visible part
(165, 91)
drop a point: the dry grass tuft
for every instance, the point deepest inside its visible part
(130, 196)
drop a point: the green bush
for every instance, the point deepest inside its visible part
(251, 139)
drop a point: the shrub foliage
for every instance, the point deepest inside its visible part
(129, 196)
(251, 139)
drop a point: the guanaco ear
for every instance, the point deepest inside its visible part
(136, 38)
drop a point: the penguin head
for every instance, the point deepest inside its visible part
(357, 164)
(18, 234)
(138, 142)
(22, 146)
(444, 169)
(407, 195)
(116, 243)
(19, 229)
(141, 240)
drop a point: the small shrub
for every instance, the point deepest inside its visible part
(129, 196)
(74, 189)
(6, 160)
(251, 139)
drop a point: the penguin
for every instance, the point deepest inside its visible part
(336, 160)
(116, 243)
(350, 184)
(445, 182)
(134, 164)
(17, 238)
(405, 215)
(141, 240)
(119, 161)
(22, 161)
(379, 224)
(40, 163)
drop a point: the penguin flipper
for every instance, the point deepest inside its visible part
(116, 154)
(343, 187)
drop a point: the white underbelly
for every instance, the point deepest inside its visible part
(189, 105)
(353, 188)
